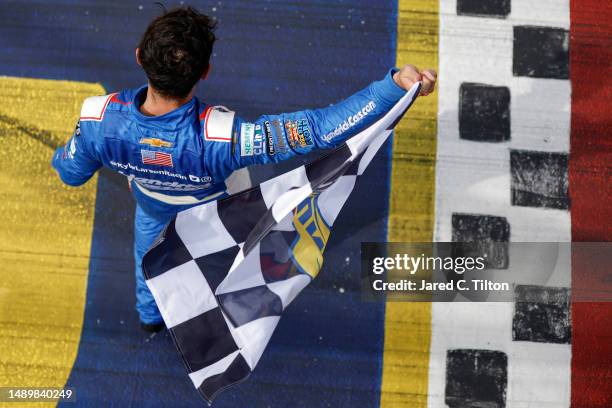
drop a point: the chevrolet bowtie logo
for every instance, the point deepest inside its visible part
(155, 142)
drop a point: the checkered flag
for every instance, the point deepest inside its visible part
(223, 272)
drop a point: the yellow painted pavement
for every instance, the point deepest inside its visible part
(411, 212)
(45, 234)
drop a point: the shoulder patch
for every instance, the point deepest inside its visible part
(218, 123)
(93, 107)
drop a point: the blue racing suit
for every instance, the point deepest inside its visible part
(182, 158)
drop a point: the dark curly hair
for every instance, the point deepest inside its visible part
(175, 50)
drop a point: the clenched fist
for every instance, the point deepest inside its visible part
(409, 74)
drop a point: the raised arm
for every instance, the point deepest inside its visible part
(273, 138)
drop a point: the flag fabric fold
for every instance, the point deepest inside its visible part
(223, 272)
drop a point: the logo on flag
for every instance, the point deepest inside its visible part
(313, 233)
(156, 158)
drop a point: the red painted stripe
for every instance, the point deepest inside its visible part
(591, 194)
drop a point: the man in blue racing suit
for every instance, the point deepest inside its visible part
(177, 151)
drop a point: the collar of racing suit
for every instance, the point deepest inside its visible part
(176, 119)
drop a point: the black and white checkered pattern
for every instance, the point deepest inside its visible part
(502, 176)
(210, 272)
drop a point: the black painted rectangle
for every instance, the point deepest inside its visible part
(484, 113)
(484, 233)
(541, 314)
(541, 52)
(484, 8)
(539, 179)
(476, 378)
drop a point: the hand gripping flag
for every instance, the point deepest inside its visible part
(223, 272)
